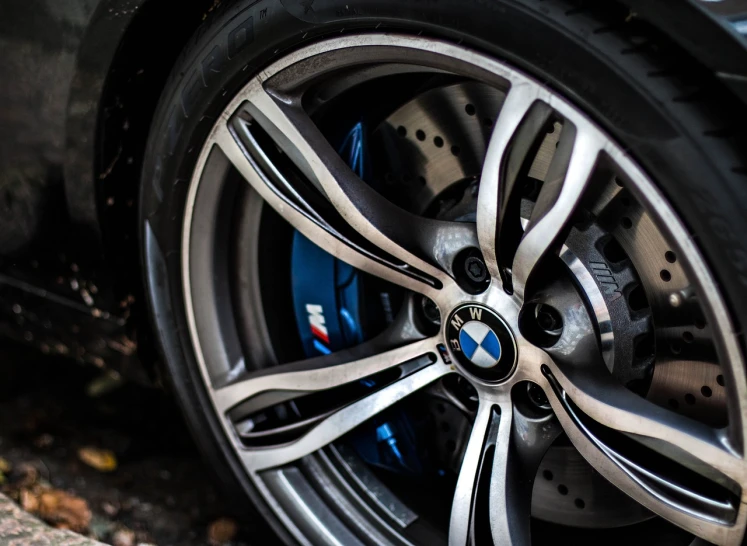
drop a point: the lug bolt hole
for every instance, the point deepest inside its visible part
(462, 390)
(530, 400)
(541, 324)
(537, 396)
(548, 319)
(430, 311)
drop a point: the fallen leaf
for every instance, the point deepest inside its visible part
(104, 384)
(110, 509)
(29, 475)
(123, 537)
(102, 460)
(61, 509)
(222, 531)
(44, 440)
(29, 501)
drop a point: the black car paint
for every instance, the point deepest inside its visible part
(78, 85)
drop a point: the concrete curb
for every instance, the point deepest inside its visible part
(19, 528)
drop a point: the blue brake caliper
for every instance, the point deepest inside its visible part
(326, 299)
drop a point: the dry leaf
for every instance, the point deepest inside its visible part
(110, 509)
(58, 508)
(29, 501)
(29, 475)
(44, 440)
(222, 531)
(104, 384)
(5, 468)
(123, 537)
(102, 460)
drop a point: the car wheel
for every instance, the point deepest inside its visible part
(453, 272)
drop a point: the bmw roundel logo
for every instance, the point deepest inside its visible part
(481, 342)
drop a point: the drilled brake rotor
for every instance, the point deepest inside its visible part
(433, 148)
(686, 377)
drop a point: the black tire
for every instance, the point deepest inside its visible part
(669, 112)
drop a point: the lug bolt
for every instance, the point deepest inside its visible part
(470, 271)
(476, 269)
(538, 396)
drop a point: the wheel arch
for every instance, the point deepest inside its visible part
(112, 48)
(119, 77)
(122, 63)
(123, 60)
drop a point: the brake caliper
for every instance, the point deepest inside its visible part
(332, 303)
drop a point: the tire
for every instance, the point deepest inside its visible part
(669, 113)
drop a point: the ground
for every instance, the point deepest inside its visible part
(160, 491)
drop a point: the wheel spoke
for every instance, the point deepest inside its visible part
(316, 374)
(416, 364)
(484, 434)
(343, 421)
(674, 466)
(678, 468)
(618, 408)
(520, 121)
(567, 178)
(492, 500)
(330, 204)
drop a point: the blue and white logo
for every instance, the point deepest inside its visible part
(480, 344)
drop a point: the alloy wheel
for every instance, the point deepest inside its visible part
(541, 357)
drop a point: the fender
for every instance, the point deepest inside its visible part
(96, 51)
(121, 50)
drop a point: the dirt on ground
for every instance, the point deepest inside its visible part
(111, 460)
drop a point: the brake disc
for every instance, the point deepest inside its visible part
(686, 377)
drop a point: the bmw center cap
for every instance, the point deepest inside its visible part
(481, 342)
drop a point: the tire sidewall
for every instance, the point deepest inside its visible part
(541, 38)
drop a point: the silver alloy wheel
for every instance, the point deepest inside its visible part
(416, 253)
